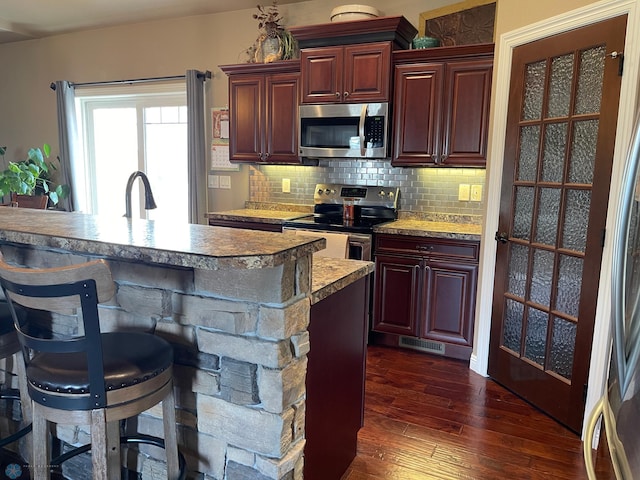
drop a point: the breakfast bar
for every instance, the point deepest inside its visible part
(236, 305)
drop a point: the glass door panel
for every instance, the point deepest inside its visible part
(559, 211)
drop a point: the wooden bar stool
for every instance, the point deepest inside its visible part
(10, 346)
(91, 378)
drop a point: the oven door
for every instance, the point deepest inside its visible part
(358, 244)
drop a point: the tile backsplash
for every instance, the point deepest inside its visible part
(428, 190)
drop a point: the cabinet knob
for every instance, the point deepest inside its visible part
(346, 94)
(337, 94)
(424, 248)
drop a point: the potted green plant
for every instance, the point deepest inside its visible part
(31, 178)
(274, 42)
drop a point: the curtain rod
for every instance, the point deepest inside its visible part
(205, 75)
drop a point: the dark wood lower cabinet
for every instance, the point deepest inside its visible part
(425, 289)
(450, 303)
(335, 381)
(398, 292)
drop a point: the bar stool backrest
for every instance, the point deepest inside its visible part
(65, 290)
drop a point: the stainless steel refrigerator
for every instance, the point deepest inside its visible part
(620, 405)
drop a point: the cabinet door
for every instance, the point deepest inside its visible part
(367, 72)
(246, 119)
(397, 294)
(449, 308)
(322, 71)
(466, 120)
(281, 134)
(418, 112)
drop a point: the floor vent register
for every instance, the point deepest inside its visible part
(422, 345)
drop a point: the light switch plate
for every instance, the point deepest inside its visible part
(463, 192)
(476, 193)
(225, 181)
(213, 181)
(286, 185)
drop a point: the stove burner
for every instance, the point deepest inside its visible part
(373, 205)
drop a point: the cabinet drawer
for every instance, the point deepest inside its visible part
(427, 246)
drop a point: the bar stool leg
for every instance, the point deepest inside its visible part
(114, 465)
(25, 400)
(99, 455)
(25, 446)
(41, 446)
(170, 435)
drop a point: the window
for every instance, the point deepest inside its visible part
(126, 129)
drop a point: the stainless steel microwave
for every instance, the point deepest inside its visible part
(347, 130)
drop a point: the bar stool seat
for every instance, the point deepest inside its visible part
(91, 378)
(147, 356)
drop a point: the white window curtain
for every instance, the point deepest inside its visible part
(67, 139)
(197, 146)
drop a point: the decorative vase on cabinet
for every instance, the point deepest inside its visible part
(270, 49)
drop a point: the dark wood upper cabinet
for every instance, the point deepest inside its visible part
(358, 73)
(441, 104)
(263, 112)
(281, 113)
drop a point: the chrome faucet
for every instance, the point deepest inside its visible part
(149, 202)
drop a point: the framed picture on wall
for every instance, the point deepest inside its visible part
(464, 23)
(220, 140)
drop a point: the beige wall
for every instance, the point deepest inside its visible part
(513, 14)
(27, 105)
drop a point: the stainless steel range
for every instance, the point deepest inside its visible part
(351, 209)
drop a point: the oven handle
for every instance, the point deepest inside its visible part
(362, 240)
(363, 116)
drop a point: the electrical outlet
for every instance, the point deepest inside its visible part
(463, 192)
(213, 181)
(225, 181)
(476, 193)
(286, 185)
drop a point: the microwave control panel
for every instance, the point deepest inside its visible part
(374, 131)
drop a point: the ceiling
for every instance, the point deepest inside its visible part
(27, 19)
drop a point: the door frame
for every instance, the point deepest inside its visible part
(629, 91)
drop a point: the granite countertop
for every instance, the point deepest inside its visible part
(195, 246)
(458, 227)
(429, 228)
(264, 212)
(257, 215)
(332, 274)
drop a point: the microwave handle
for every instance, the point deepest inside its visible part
(363, 115)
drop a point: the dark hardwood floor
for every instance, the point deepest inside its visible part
(428, 417)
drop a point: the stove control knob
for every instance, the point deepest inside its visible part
(333, 191)
(381, 193)
(327, 191)
(390, 195)
(320, 191)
